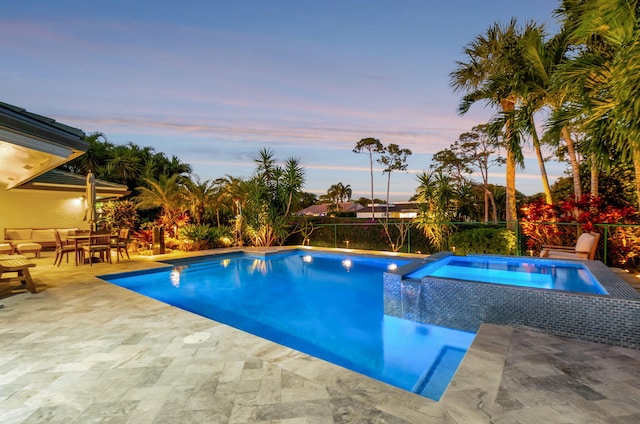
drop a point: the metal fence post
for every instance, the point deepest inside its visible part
(606, 238)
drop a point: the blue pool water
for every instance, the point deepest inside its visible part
(327, 305)
(518, 271)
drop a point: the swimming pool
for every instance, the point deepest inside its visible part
(515, 271)
(327, 305)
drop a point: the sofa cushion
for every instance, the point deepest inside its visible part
(19, 234)
(47, 235)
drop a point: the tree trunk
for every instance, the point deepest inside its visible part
(636, 166)
(595, 175)
(373, 213)
(508, 105)
(486, 204)
(386, 217)
(543, 169)
(575, 165)
(494, 214)
(512, 210)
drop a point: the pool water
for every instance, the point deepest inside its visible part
(517, 271)
(326, 305)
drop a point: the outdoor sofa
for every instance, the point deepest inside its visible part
(45, 237)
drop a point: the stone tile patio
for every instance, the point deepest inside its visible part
(84, 351)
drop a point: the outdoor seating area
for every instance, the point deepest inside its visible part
(84, 244)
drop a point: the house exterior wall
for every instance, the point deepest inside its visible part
(40, 209)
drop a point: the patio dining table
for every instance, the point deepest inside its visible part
(79, 239)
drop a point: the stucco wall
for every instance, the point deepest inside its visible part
(40, 209)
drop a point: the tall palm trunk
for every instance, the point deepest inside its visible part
(508, 106)
(595, 173)
(543, 170)
(575, 165)
(636, 166)
(512, 211)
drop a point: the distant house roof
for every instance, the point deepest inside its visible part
(32, 144)
(66, 181)
(322, 209)
(398, 210)
(393, 207)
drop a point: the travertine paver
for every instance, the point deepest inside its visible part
(82, 350)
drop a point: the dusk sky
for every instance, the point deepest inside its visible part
(212, 82)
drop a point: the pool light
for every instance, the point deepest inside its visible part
(347, 263)
(306, 259)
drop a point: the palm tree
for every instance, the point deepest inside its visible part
(124, 165)
(370, 146)
(493, 74)
(345, 193)
(198, 195)
(94, 159)
(229, 195)
(166, 193)
(606, 67)
(293, 177)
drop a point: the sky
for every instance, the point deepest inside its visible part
(213, 82)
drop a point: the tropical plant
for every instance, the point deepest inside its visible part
(591, 211)
(166, 193)
(270, 193)
(493, 73)
(605, 65)
(119, 214)
(436, 207)
(198, 196)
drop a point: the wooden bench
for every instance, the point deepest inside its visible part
(19, 265)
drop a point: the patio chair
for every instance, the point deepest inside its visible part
(120, 243)
(19, 265)
(98, 243)
(63, 249)
(585, 248)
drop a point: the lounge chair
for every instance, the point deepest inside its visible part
(120, 243)
(585, 248)
(17, 264)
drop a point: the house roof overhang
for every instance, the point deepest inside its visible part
(57, 180)
(31, 145)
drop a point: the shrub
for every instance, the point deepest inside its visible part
(119, 214)
(203, 236)
(546, 224)
(484, 240)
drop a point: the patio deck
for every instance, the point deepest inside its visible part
(82, 350)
